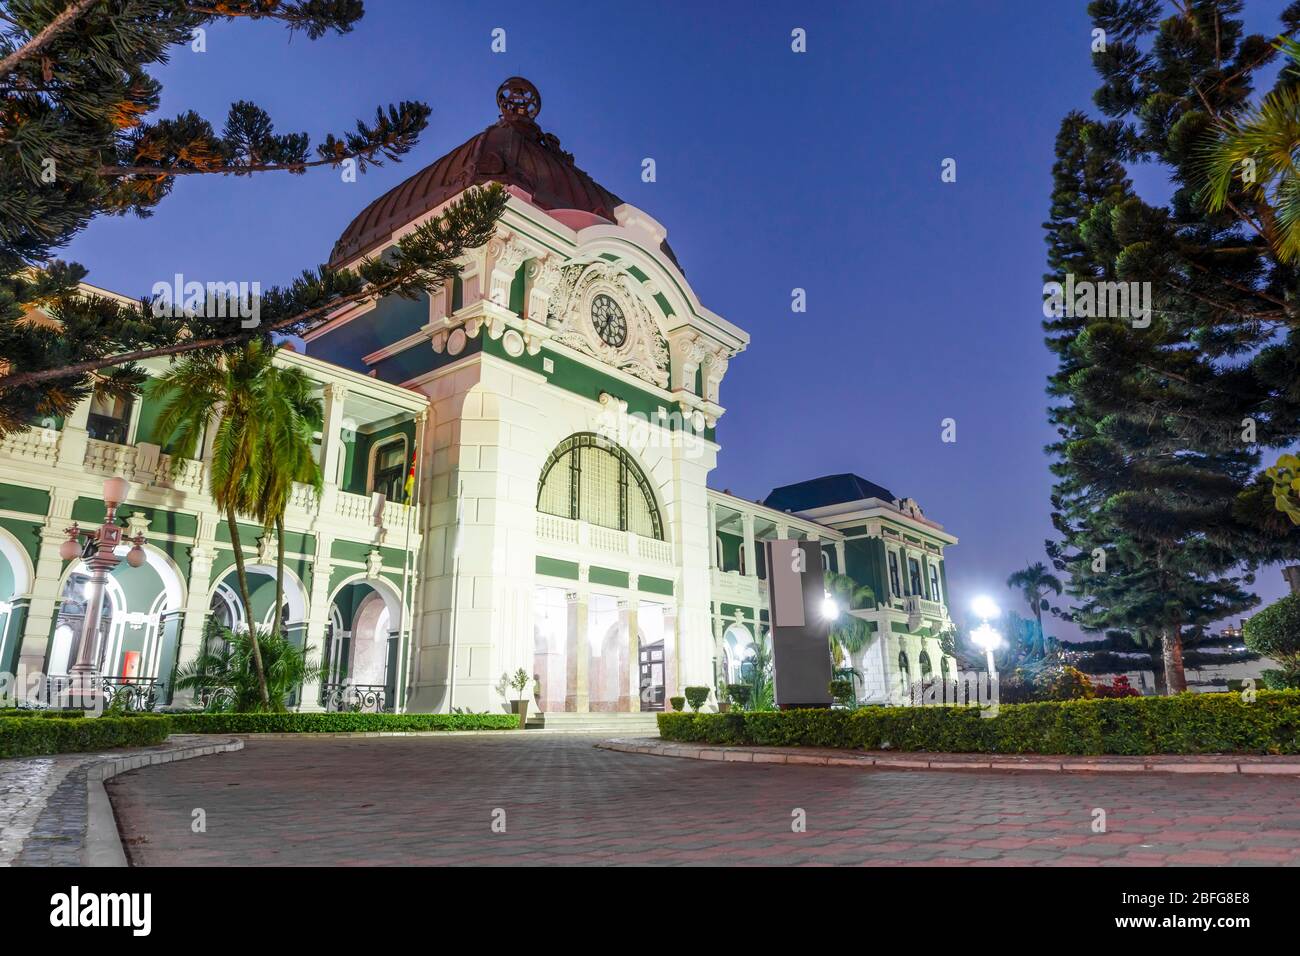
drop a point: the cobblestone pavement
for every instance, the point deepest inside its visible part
(562, 801)
(28, 788)
(43, 801)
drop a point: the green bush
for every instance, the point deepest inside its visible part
(1275, 632)
(24, 737)
(740, 694)
(1183, 724)
(39, 712)
(344, 723)
(841, 691)
(678, 703)
(696, 696)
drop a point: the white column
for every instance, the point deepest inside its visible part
(713, 535)
(331, 441)
(45, 588)
(73, 437)
(196, 601)
(628, 619)
(318, 617)
(747, 524)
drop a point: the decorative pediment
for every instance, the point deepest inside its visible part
(592, 292)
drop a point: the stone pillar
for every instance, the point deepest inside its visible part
(627, 613)
(196, 602)
(747, 524)
(713, 535)
(672, 678)
(331, 439)
(577, 697)
(318, 618)
(45, 587)
(73, 437)
(839, 558)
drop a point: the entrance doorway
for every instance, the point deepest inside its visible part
(652, 676)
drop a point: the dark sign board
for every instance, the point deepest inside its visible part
(801, 657)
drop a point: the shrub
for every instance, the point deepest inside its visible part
(21, 737)
(1120, 687)
(1275, 632)
(341, 723)
(1070, 684)
(1183, 724)
(740, 694)
(841, 691)
(696, 696)
(677, 702)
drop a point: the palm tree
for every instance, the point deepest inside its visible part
(222, 669)
(293, 416)
(228, 389)
(1034, 581)
(849, 634)
(1259, 149)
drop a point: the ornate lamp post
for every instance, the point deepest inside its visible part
(98, 551)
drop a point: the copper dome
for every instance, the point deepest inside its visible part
(514, 151)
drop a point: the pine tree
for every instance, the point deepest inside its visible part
(1160, 416)
(1118, 652)
(75, 143)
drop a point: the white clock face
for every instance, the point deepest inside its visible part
(609, 321)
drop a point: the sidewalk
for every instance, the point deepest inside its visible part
(889, 760)
(54, 812)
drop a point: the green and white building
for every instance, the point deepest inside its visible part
(560, 401)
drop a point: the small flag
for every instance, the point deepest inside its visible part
(408, 489)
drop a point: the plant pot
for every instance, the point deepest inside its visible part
(724, 706)
(520, 707)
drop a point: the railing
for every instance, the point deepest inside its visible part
(355, 698)
(109, 458)
(362, 508)
(135, 694)
(34, 444)
(552, 529)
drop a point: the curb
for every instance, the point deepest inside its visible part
(772, 756)
(103, 845)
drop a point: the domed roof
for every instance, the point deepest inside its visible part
(514, 151)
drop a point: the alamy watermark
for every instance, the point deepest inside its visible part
(967, 689)
(1095, 299)
(211, 300)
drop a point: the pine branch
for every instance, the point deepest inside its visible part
(36, 44)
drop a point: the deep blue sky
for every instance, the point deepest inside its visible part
(775, 170)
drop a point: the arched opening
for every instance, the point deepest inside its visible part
(16, 574)
(738, 650)
(361, 646)
(904, 675)
(588, 478)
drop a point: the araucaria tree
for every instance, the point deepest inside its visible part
(1163, 396)
(75, 143)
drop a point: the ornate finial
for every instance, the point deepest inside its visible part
(516, 97)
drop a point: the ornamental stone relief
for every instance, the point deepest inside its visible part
(582, 297)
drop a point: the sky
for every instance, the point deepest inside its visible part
(775, 170)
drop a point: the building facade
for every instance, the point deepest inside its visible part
(559, 403)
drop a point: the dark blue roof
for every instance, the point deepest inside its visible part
(827, 490)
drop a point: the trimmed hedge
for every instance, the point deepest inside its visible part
(25, 737)
(1184, 724)
(343, 723)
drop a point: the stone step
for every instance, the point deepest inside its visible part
(596, 723)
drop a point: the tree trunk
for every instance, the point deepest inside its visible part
(1171, 647)
(1040, 641)
(245, 594)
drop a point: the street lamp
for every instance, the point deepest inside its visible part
(986, 635)
(101, 558)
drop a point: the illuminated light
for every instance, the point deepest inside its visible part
(986, 638)
(984, 607)
(70, 550)
(830, 610)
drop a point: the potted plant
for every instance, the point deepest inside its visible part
(520, 684)
(841, 690)
(678, 703)
(724, 701)
(696, 696)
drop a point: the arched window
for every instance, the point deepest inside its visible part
(388, 468)
(944, 668)
(904, 673)
(924, 661)
(590, 479)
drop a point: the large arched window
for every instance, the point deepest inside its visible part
(590, 479)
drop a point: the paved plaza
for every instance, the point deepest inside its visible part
(445, 801)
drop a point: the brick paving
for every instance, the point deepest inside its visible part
(43, 800)
(434, 801)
